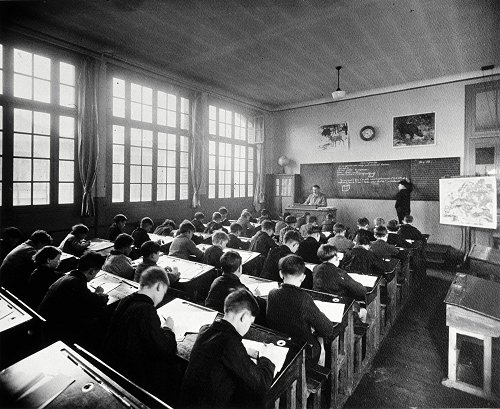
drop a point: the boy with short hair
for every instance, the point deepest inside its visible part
(224, 213)
(166, 228)
(313, 221)
(270, 269)
(280, 224)
(308, 248)
(198, 222)
(363, 230)
(302, 220)
(234, 241)
(378, 221)
(150, 252)
(74, 243)
(220, 373)
(292, 311)
(409, 232)
(262, 242)
(229, 281)
(119, 222)
(290, 221)
(215, 224)
(340, 241)
(118, 261)
(216, 250)
(182, 246)
(264, 215)
(140, 234)
(380, 246)
(244, 222)
(393, 237)
(138, 344)
(363, 261)
(328, 223)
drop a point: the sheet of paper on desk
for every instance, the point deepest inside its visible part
(276, 354)
(366, 280)
(188, 317)
(310, 266)
(333, 310)
(5, 309)
(100, 245)
(188, 269)
(262, 288)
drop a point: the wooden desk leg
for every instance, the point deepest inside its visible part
(487, 360)
(452, 355)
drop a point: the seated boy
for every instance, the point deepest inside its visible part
(312, 221)
(378, 221)
(234, 240)
(74, 243)
(18, 264)
(264, 215)
(308, 248)
(150, 252)
(392, 235)
(380, 246)
(220, 373)
(230, 264)
(216, 250)
(11, 237)
(292, 311)
(215, 224)
(140, 235)
(262, 242)
(166, 228)
(224, 213)
(138, 344)
(119, 222)
(363, 229)
(340, 241)
(73, 312)
(198, 222)
(244, 222)
(290, 221)
(363, 261)
(409, 232)
(280, 224)
(302, 220)
(328, 223)
(118, 261)
(182, 246)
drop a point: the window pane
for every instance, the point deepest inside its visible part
(66, 171)
(162, 158)
(22, 169)
(211, 162)
(118, 88)
(40, 193)
(66, 127)
(172, 141)
(135, 193)
(41, 123)
(146, 193)
(183, 176)
(135, 93)
(162, 140)
(212, 127)
(22, 120)
(41, 146)
(147, 174)
(162, 99)
(41, 170)
(41, 90)
(118, 154)
(119, 107)
(171, 175)
(118, 193)
(66, 96)
(184, 160)
(147, 139)
(41, 67)
(211, 176)
(184, 143)
(147, 96)
(161, 117)
(65, 193)
(170, 192)
(171, 119)
(67, 74)
(147, 114)
(184, 121)
(161, 176)
(23, 86)
(147, 156)
(22, 145)
(135, 174)
(118, 134)
(185, 105)
(118, 173)
(171, 158)
(23, 62)
(135, 111)
(135, 137)
(161, 192)
(183, 193)
(172, 102)
(21, 194)
(211, 192)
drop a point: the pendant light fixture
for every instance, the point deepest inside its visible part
(338, 93)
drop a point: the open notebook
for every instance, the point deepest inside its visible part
(276, 354)
(334, 311)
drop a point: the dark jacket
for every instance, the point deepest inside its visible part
(140, 236)
(261, 243)
(396, 240)
(308, 250)
(383, 250)
(328, 278)
(182, 247)
(72, 311)
(72, 245)
(113, 232)
(212, 256)
(402, 204)
(139, 348)
(362, 261)
(16, 269)
(198, 225)
(40, 281)
(235, 243)
(220, 374)
(214, 226)
(220, 289)
(292, 311)
(409, 232)
(341, 243)
(367, 233)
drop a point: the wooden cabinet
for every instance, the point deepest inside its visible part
(282, 191)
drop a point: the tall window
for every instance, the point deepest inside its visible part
(42, 106)
(150, 143)
(231, 156)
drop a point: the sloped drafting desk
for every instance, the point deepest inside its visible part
(472, 309)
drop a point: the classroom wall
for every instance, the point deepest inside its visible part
(296, 134)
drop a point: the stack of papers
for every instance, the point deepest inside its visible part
(367, 281)
(188, 317)
(276, 354)
(334, 311)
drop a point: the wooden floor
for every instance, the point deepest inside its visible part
(412, 361)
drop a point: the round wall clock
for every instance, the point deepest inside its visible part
(367, 133)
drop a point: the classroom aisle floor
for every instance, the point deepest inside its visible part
(413, 359)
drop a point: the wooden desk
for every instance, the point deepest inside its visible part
(59, 377)
(101, 246)
(473, 310)
(320, 212)
(161, 240)
(485, 262)
(289, 383)
(115, 287)
(246, 255)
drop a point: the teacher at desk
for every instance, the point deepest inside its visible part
(403, 199)
(316, 197)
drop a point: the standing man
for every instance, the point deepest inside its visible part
(316, 197)
(403, 199)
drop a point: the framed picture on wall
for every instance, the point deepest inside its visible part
(335, 136)
(414, 130)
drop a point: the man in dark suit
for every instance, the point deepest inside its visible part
(409, 232)
(308, 248)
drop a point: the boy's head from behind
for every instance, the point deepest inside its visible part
(146, 223)
(268, 227)
(230, 262)
(199, 216)
(79, 230)
(408, 219)
(90, 263)
(223, 211)
(150, 251)
(240, 309)
(216, 217)
(327, 252)
(41, 238)
(378, 221)
(290, 220)
(154, 281)
(380, 232)
(363, 223)
(393, 226)
(312, 219)
(236, 229)
(220, 239)
(292, 240)
(292, 269)
(186, 227)
(339, 228)
(124, 243)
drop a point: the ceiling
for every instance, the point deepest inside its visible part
(282, 52)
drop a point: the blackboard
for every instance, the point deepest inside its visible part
(378, 179)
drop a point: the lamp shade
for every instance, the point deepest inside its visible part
(283, 161)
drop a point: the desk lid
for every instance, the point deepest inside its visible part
(475, 294)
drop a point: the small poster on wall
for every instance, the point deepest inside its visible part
(414, 130)
(335, 136)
